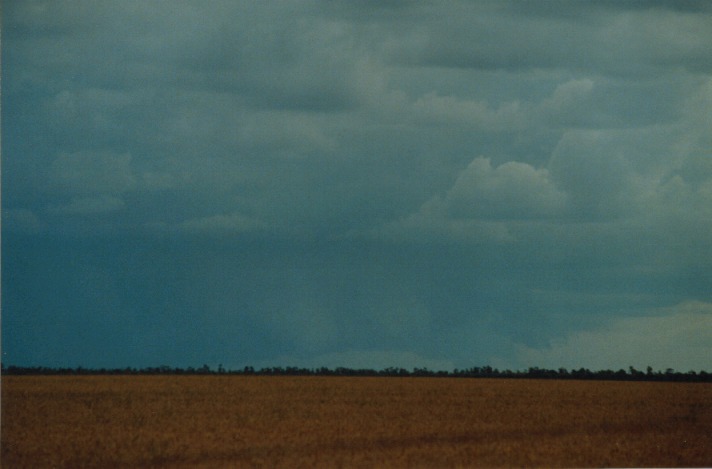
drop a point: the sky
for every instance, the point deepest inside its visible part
(367, 184)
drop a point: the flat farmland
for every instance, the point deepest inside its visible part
(312, 421)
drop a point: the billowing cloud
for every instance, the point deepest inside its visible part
(571, 103)
(512, 190)
(482, 199)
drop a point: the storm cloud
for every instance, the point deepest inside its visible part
(441, 184)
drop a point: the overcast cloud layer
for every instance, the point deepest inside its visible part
(362, 184)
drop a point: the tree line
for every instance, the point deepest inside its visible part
(631, 374)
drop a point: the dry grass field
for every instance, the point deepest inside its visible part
(252, 421)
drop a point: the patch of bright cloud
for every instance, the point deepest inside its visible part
(680, 339)
(512, 190)
(480, 202)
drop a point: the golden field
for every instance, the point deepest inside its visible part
(267, 421)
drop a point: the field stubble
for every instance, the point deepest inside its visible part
(228, 421)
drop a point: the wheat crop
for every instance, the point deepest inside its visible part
(261, 421)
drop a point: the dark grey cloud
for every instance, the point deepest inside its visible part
(342, 182)
(588, 38)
